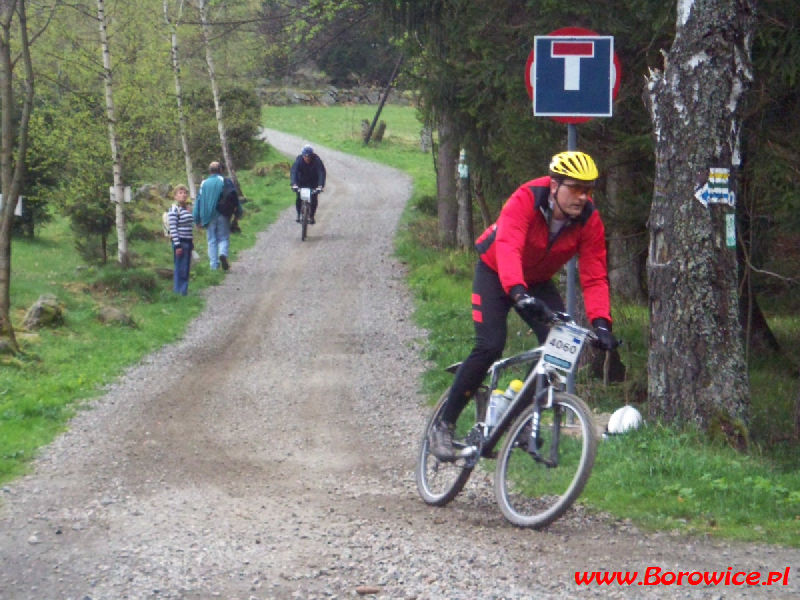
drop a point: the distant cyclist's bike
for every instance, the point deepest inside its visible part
(305, 209)
(547, 437)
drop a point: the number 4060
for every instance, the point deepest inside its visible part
(564, 346)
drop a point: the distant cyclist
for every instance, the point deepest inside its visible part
(308, 172)
(543, 224)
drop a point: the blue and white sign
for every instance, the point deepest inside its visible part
(715, 190)
(573, 76)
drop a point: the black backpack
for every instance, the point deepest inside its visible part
(228, 199)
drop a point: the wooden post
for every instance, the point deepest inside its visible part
(383, 100)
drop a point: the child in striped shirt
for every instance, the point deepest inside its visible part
(180, 233)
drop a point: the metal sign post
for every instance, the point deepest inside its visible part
(572, 265)
(572, 75)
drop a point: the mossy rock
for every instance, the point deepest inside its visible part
(110, 315)
(45, 312)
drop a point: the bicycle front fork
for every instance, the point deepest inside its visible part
(544, 400)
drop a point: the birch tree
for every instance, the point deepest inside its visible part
(116, 163)
(176, 69)
(696, 366)
(212, 76)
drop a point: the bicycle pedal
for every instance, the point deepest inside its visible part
(461, 450)
(469, 452)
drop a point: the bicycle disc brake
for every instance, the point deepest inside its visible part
(532, 442)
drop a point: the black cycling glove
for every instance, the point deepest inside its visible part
(533, 309)
(605, 339)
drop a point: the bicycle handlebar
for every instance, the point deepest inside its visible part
(560, 318)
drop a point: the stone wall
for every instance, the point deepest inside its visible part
(331, 95)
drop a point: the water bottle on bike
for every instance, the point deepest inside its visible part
(500, 400)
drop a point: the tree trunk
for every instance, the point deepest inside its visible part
(465, 237)
(212, 76)
(757, 334)
(486, 216)
(13, 146)
(122, 239)
(625, 260)
(797, 418)
(696, 366)
(176, 69)
(447, 205)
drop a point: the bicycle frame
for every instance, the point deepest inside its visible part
(543, 378)
(545, 442)
(305, 210)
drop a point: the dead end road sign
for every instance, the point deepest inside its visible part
(573, 75)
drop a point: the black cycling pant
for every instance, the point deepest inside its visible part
(490, 306)
(314, 201)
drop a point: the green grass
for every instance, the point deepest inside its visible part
(661, 478)
(41, 388)
(339, 127)
(670, 480)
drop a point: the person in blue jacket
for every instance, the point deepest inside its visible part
(308, 172)
(217, 226)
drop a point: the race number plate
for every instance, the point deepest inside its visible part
(563, 346)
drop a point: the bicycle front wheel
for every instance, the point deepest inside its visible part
(438, 482)
(538, 478)
(304, 220)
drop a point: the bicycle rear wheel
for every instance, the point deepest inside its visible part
(304, 220)
(536, 481)
(438, 482)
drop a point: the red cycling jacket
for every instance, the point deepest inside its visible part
(518, 247)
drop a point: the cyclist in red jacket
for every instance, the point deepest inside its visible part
(543, 224)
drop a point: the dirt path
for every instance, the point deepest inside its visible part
(269, 453)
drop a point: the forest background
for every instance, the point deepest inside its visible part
(469, 55)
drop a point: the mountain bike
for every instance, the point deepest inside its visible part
(547, 438)
(305, 209)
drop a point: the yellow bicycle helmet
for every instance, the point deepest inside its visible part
(575, 165)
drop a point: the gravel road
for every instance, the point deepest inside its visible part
(269, 454)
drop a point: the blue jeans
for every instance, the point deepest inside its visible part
(219, 234)
(180, 272)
